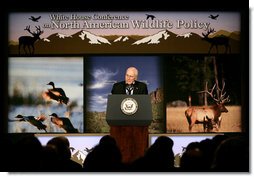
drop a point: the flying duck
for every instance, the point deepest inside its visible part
(35, 121)
(88, 150)
(57, 94)
(150, 16)
(64, 123)
(35, 19)
(214, 17)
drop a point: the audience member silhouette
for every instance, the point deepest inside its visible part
(217, 139)
(207, 148)
(7, 154)
(65, 164)
(219, 154)
(159, 157)
(27, 154)
(105, 157)
(232, 155)
(49, 160)
(192, 159)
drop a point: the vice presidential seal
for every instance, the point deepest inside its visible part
(129, 106)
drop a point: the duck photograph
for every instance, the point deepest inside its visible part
(40, 88)
(56, 94)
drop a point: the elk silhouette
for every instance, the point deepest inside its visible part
(28, 41)
(217, 41)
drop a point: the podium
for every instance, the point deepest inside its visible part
(129, 117)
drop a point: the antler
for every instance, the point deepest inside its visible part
(38, 29)
(211, 93)
(221, 96)
(28, 29)
(211, 30)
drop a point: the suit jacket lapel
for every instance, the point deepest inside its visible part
(135, 91)
(123, 88)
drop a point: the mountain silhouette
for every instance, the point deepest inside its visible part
(163, 41)
(154, 39)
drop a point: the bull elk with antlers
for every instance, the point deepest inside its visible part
(209, 116)
(28, 41)
(217, 41)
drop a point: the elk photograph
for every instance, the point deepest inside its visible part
(203, 94)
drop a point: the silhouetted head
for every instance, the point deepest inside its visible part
(219, 138)
(232, 155)
(107, 139)
(164, 141)
(62, 144)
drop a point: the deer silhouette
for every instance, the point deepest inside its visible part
(216, 41)
(28, 41)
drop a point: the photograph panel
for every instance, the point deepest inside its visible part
(45, 95)
(204, 94)
(103, 71)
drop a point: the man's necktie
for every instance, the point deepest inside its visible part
(129, 89)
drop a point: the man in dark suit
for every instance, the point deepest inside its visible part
(130, 86)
